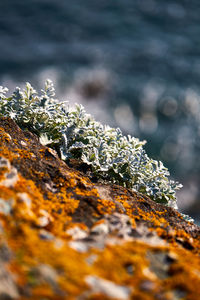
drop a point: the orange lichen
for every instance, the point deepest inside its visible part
(4, 136)
(105, 206)
(49, 198)
(24, 153)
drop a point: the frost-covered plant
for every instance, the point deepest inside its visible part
(111, 155)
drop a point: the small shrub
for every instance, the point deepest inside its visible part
(111, 155)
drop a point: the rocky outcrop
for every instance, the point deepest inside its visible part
(66, 237)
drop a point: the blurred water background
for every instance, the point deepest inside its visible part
(132, 63)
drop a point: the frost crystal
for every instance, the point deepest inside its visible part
(111, 155)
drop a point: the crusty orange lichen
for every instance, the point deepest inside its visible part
(5, 137)
(49, 198)
(105, 206)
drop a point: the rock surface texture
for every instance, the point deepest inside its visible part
(65, 237)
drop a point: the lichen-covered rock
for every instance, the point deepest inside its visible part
(65, 237)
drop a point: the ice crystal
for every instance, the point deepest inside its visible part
(111, 155)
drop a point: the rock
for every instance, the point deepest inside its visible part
(65, 237)
(108, 288)
(8, 288)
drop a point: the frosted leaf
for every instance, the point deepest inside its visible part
(17, 94)
(3, 91)
(45, 140)
(49, 90)
(29, 91)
